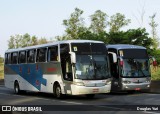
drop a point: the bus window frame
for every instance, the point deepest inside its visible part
(13, 58)
(29, 54)
(48, 55)
(37, 52)
(19, 58)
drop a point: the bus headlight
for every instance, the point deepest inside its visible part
(126, 82)
(80, 83)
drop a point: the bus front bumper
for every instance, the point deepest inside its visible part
(82, 90)
(138, 87)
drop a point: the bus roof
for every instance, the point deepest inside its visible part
(52, 44)
(125, 46)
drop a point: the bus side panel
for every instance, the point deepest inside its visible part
(11, 75)
(34, 77)
(51, 73)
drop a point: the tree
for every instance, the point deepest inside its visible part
(11, 43)
(34, 40)
(118, 21)
(98, 22)
(42, 41)
(15, 41)
(26, 40)
(153, 25)
(132, 36)
(73, 24)
(139, 37)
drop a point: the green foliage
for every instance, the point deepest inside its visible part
(1, 71)
(25, 40)
(74, 24)
(132, 36)
(1, 59)
(155, 75)
(153, 25)
(155, 53)
(118, 21)
(98, 22)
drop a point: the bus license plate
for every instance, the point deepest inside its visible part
(95, 90)
(137, 89)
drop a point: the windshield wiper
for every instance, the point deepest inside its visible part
(139, 69)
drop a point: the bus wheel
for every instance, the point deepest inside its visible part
(90, 96)
(16, 88)
(58, 92)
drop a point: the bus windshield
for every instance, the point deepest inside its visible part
(91, 61)
(135, 63)
(135, 68)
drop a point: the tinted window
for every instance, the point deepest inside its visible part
(53, 53)
(14, 58)
(22, 57)
(31, 56)
(7, 58)
(41, 55)
(89, 48)
(133, 53)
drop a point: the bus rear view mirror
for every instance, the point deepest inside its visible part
(114, 57)
(73, 57)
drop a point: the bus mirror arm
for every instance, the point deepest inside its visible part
(73, 57)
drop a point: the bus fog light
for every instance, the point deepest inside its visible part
(126, 82)
(126, 87)
(148, 86)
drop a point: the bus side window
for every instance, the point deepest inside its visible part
(66, 62)
(31, 56)
(6, 58)
(22, 57)
(41, 55)
(14, 58)
(53, 53)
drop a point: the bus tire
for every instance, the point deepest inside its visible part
(57, 92)
(90, 96)
(16, 88)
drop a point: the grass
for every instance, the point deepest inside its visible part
(155, 74)
(1, 71)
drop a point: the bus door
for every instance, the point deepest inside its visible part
(114, 66)
(66, 67)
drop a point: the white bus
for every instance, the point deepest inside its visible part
(73, 67)
(130, 67)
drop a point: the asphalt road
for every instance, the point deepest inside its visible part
(119, 103)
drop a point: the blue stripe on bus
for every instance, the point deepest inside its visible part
(30, 73)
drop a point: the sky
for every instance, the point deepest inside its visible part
(44, 18)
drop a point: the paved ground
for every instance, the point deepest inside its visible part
(119, 103)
